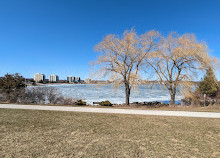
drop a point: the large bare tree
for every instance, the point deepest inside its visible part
(178, 59)
(123, 56)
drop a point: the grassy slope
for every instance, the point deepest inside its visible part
(67, 134)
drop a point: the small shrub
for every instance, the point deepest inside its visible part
(217, 95)
(153, 104)
(80, 102)
(36, 95)
(68, 101)
(106, 103)
(44, 95)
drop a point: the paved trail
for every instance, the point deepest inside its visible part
(114, 111)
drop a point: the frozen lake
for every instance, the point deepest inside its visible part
(100, 92)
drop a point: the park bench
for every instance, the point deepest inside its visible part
(135, 103)
(96, 103)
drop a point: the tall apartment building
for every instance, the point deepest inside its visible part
(70, 79)
(54, 78)
(39, 77)
(77, 79)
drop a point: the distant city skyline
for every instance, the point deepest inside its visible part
(52, 77)
(58, 37)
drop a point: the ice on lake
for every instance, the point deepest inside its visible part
(115, 94)
(100, 92)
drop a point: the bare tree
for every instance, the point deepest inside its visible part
(177, 60)
(122, 56)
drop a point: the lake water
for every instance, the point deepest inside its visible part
(100, 92)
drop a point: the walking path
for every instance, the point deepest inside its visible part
(113, 111)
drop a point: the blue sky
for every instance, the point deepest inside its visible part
(58, 37)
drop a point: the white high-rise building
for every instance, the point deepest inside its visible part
(70, 79)
(39, 77)
(77, 79)
(54, 78)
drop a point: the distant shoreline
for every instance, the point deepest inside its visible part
(146, 83)
(39, 84)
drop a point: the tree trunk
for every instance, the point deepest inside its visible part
(127, 93)
(172, 97)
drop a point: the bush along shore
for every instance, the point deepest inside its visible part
(42, 96)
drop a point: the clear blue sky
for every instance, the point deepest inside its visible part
(58, 36)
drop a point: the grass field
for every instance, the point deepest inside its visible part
(29, 133)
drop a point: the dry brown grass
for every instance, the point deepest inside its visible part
(211, 108)
(29, 133)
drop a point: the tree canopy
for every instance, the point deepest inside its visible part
(178, 59)
(11, 85)
(209, 85)
(123, 56)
